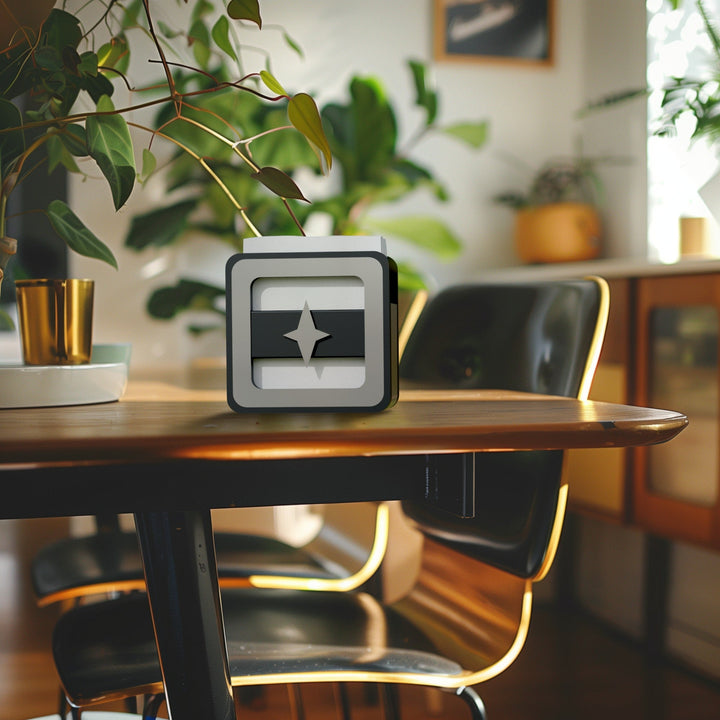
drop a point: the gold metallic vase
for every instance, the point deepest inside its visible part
(55, 318)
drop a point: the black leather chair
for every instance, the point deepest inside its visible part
(108, 561)
(467, 614)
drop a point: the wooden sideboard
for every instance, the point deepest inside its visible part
(661, 349)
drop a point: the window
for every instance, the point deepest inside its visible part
(677, 168)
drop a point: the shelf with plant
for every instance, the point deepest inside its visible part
(557, 218)
(67, 74)
(373, 172)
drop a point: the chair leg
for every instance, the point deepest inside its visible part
(297, 711)
(62, 704)
(342, 700)
(152, 706)
(474, 702)
(390, 702)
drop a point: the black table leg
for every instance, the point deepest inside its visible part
(181, 573)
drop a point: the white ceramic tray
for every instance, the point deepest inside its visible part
(102, 380)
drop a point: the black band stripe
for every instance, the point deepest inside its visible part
(346, 330)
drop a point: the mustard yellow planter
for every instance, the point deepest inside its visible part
(55, 318)
(558, 232)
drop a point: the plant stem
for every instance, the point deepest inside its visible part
(207, 169)
(161, 53)
(223, 139)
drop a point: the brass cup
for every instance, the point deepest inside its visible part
(55, 318)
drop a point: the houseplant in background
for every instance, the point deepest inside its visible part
(557, 219)
(67, 75)
(683, 104)
(681, 97)
(374, 172)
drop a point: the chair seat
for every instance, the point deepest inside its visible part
(114, 558)
(97, 716)
(107, 650)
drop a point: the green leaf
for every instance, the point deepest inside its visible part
(409, 278)
(131, 14)
(201, 53)
(710, 29)
(424, 97)
(304, 116)
(201, 8)
(58, 154)
(62, 29)
(272, 83)
(78, 238)
(423, 231)
(167, 31)
(611, 100)
(363, 134)
(149, 163)
(114, 54)
(280, 183)
(199, 32)
(474, 134)
(159, 227)
(111, 147)
(97, 86)
(167, 302)
(199, 36)
(245, 10)
(74, 138)
(221, 36)
(293, 45)
(88, 63)
(48, 58)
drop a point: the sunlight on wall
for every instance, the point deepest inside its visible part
(677, 166)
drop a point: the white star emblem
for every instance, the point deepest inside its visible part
(306, 335)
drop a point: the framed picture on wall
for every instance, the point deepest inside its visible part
(515, 31)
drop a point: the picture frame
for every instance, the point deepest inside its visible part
(498, 31)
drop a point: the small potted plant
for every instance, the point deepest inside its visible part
(66, 77)
(557, 219)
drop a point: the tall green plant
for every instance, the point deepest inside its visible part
(374, 172)
(62, 63)
(682, 96)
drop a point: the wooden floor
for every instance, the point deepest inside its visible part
(570, 669)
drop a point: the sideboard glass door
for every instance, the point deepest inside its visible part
(684, 377)
(676, 488)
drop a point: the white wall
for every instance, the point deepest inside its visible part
(530, 110)
(615, 60)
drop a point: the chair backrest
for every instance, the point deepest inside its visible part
(542, 337)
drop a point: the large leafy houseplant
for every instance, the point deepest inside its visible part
(66, 77)
(374, 172)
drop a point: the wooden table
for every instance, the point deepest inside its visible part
(170, 455)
